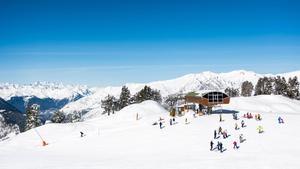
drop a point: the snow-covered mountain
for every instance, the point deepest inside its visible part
(191, 82)
(70, 98)
(50, 96)
(42, 90)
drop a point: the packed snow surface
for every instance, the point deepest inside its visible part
(122, 141)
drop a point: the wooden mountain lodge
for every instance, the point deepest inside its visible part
(203, 103)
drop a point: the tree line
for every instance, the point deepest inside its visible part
(110, 103)
(267, 86)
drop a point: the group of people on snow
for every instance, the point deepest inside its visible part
(225, 134)
(219, 146)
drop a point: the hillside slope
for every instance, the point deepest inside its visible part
(120, 141)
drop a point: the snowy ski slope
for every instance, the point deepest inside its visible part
(121, 141)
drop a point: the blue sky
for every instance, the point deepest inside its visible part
(118, 41)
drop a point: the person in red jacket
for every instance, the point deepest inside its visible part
(235, 145)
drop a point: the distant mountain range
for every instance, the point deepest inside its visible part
(50, 96)
(11, 114)
(70, 98)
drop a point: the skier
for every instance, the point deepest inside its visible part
(44, 143)
(260, 129)
(280, 120)
(236, 126)
(220, 130)
(221, 118)
(211, 145)
(259, 117)
(243, 124)
(81, 134)
(160, 125)
(215, 134)
(225, 135)
(221, 147)
(161, 119)
(235, 116)
(218, 145)
(170, 122)
(235, 145)
(186, 121)
(250, 116)
(137, 116)
(241, 138)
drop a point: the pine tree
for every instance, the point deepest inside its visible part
(76, 116)
(259, 87)
(32, 117)
(58, 117)
(171, 101)
(264, 86)
(268, 85)
(156, 96)
(109, 104)
(281, 86)
(247, 88)
(147, 94)
(232, 92)
(293, 88)
(124, 97)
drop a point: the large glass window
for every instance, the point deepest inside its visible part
(215, 97)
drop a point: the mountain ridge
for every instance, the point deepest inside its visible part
(191, 82)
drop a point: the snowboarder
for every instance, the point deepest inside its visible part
(260, 129)
(235, 145)
(82, 134)
(171, 122)
(211, 145)
(215, 134)
(280, 120)
(243, 124)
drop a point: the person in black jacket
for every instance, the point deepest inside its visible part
(215, 134)
(211, 145)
